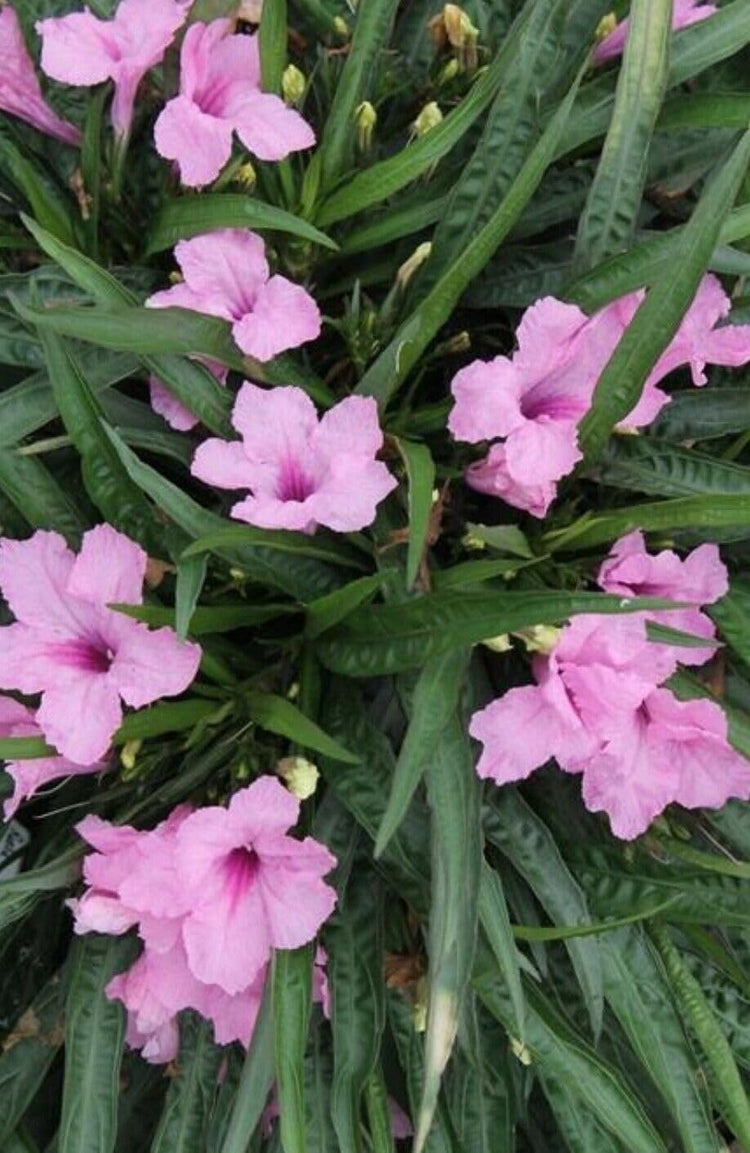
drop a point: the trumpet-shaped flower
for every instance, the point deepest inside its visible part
(69, 645)
(532, 402)
(700, 579)
(684, 12)
(16, 720)
(219, 95)
(176, 414)
(226, 274)
(211, 892)
(599, 707)
(20, 94)
(81, 49)
(301, 471)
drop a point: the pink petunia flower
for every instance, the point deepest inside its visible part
(211, 892)
(598, 706)
(700, 578)
(535, 399)
(301, 471)
(167, 405)
(685, 12)
(81, 49)
(219, 95)
(67, 644)
(16, 720)
(227, 275)
(20, 94)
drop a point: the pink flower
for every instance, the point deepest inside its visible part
(211, 893)
(81, 49)
(167, 405)
(597, 709)
(535, 399)
(219, 95)
(82, 656)
(301, 471)
(701, 578)
(16, 720)
(401, 1126)
(20, 94)
(685, 12)
(227, 275)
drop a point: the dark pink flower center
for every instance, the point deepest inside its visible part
(83, 654)
(294, 483)
(240, 869)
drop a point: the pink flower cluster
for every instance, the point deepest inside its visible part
(84, 657)
(211, 892)
(302, 472)
(599, 706)
(684, 12)
(529, 404)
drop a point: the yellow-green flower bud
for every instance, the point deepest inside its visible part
(293, 84)
(415, 262)
(428, 118)
(129, 754)
(299, 775)
(541, 638)
(606, 25)
(499, 644)
(367, 118)
(245, 176)
(341, 27)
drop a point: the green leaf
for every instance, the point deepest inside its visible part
(38, 497)
(726, 1080)
(411, 1056)
(378, 1115)
(495, 921)
(292, 992)
(278, 715)
(636, 990)
(94, 1036)
(106, 481)
(420, 470)
(272, 37)
(435, 700)
(707, 515)
(51, 209)
(557, 1051)
(609, 218)
(371, 32)
(329, 610)
(194, 215)
(186, 1108)
(191, 576)
(208, 619)
(393, 365)
(255, 1082)
(230, 536)
(454, 793)
(658, 318)
(28, 1052)
(381, 639)
(641, 464)
(355, 963)
(703, 414)
(513, 826)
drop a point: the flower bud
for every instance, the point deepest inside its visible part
(462, 36)
(341, 27)
(415, 262)
(129, 754)
(250, 11)
(367, 118)
(499, 644)
(299, 775)
(245, 176)
(606, 25)
(540, 639)
(520, 1051)
(448, 73)
(293, 84)
(428, 118)
(473, 543)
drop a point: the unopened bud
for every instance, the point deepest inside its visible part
(428, 118)
(420, 1006)
(462, 36)
(293, 84)
(461, 342)
(129, 754)
(175, 278)
(238, 575)
(245, 176)
(415, 262)
(250, 10)
(499, 644)
(473, 543)
(293, 692)
(520, 1051)
(605, 27)
(540, 639)
(449, 72)
(299, 775)
(341, 28)
(367, 118)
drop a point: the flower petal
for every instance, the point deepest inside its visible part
(283, 316)
(109, 569)
(200, 144)
(153, 663)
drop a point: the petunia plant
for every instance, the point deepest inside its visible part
(374, 588)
